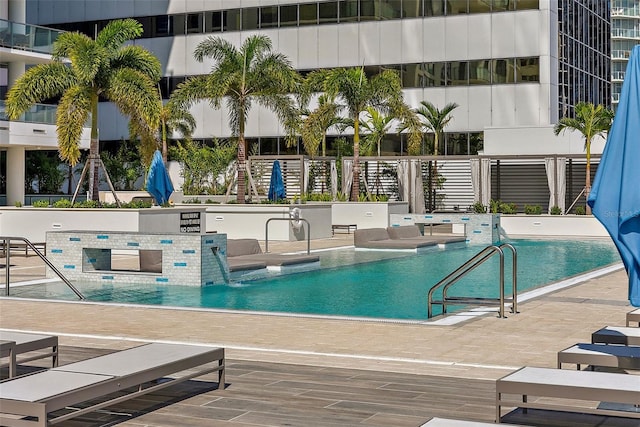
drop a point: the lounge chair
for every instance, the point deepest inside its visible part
(613, 356)
(445, 422)
(569, 384)
(32, 400)
(378, 238)
(616, 335)
(244, 253)
(633, 317)
(15, 343)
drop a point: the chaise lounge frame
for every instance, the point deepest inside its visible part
(14, 343)
(38, 395)
(568, 384)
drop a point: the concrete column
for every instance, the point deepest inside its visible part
(14, 71)
(15, 175)
(17, 11)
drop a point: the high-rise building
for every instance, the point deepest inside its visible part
(625, 34)
(513, 67)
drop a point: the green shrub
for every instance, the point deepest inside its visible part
(580, 210)
(508, 208)
(17, 204)
(62, 203)
(86, 204)
(478, 207)
(555, 210)
(494, 206)
(40, 203)
(212, 202)
(532, 209)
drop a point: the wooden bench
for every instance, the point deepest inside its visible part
(567, 385)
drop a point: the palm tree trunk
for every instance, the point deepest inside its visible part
(587, 187)
(164, 141)
(355, 187)
(94, 151)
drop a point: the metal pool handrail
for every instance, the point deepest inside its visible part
(266, 232)
(7, 250)
(469, 266)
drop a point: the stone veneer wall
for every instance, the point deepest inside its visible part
(187, 259)
(480, 229)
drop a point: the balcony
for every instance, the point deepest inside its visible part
(27, 37)
(38, 113)
(626, 33)
(620, 54)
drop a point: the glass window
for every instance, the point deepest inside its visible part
(455, 7)
(213, 22)
(231, 20)
(502, 5)
(479, 6)
(476, 142)
(414, 75)
(480, 72)
(527, 70)
(412, 8)
(328, 12)
(250, 18)
(434, 7)
(456, 144)
(308, 14)
(457, 73)
(502, 71)
(194, 23)
(162, 25)
(435, 74)
(269, 17)
(179, 24)
(268, 146)
(368, 10)
(527, 4)
(289, 15)
(349, 11)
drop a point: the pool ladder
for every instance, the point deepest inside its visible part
(469, 266)
(6, 241)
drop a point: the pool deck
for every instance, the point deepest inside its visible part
(363, 372)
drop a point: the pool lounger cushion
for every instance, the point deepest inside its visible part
(40, 394)
(249, 251)
(397, 238)
(613, 356)
(568, 384)
(633, 317)
(15, 343)
(617, 335)
(445, 422)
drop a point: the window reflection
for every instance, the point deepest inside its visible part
(328, 12)
(213, 22)
(455, 7)
(349, 11)
(527, 70)
(412, 8)
(308, 14)
(456, 144)
(480, 72)
(269, 17)
(231, 20)
(457, 73)
(250, 18)
(289, 15)
(194, 23)
(434, 7)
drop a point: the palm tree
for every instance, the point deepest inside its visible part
(104, 67)
(252, 73)
(172, 119)
(435, 120)
(354, 91)
(591, 121)
(318, 122)
(376, 126)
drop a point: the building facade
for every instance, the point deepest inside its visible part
(625, 34)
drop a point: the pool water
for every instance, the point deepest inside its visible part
(363, 283)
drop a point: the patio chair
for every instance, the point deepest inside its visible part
(13, 343)
(569, 385)
(612, 356)
(616, 335)
(633, 317)
(32, 400)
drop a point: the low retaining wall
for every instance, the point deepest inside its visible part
(185, 259)
(479, 229)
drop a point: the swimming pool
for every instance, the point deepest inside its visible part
(369, 284)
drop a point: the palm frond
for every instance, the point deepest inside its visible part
(73, 111)
(117, 32)
(140, 59)
(37, 84)
(134, 93)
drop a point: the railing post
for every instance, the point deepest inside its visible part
(501, 253)
(7, 253)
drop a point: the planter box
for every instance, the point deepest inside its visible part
(552, 225)
(366, 214)
(33, 223)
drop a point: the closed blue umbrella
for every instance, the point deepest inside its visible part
(158, 181)
(615, 196)
(276, 185)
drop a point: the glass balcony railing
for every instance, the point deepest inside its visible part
(27, 37)
(38, 113)
(630, 33)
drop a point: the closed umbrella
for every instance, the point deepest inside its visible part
(615, 197)
(158, 181)
(276, 185)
